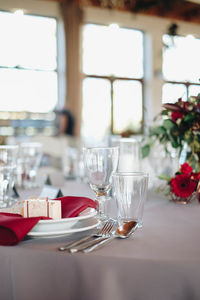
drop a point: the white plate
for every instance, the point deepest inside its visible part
(65, 223)
(84, 225)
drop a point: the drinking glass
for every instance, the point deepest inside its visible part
(130, 192)
(68, 161)
(30, 155)
(129, 155)
(100, 164)
(8, 158)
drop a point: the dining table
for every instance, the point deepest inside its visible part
(160, 261)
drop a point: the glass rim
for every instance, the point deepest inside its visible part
(9, 146)
(128, 140)
(31, 144)
(130, 174)
(103, 148)
(5, 166)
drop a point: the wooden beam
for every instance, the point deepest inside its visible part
(188, 11)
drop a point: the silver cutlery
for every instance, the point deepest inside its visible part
(103, 232)
(123, 231)
(86, 244)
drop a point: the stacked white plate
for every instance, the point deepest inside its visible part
(51, 228)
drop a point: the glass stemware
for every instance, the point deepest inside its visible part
(100, 164)
(30, 155)
(8, 158)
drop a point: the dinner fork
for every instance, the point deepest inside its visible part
(102, 232)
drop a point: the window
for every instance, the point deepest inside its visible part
(112, 66)
(181, 67)
(28, 67)
(27, 63)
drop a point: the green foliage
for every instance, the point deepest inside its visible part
(180, 124)
(168, 124)
(189, 118)
(158, 130)
(145, 150)
(165, 177)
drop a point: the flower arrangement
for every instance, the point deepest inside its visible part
(127, 133)
(180, 126)
(184, 186)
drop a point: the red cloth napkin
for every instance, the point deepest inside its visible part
(72, 206)
(13, 227)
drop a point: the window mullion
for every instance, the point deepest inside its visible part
(112, 104)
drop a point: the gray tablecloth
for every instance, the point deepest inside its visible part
(161, 261)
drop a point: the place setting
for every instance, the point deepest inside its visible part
(50, 217)
(129, 192)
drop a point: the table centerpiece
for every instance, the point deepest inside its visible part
(183, 187)
(179, 128)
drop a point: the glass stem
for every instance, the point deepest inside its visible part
(100, 205)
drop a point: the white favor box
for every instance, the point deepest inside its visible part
(42, 207)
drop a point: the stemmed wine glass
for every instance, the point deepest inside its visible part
(8, 158)
(29, 159)
(100, 164)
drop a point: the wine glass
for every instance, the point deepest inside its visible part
(100, 164)
(30, 155)
(8, 158)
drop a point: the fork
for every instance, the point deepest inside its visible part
(102, 232)
(107, 234)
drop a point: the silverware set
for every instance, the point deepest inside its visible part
(103, 232)
(107, 233)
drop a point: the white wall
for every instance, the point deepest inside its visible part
(45, 8)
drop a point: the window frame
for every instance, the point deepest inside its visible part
(41, 121)
(187, 84)
(112, 79)
(21, 68)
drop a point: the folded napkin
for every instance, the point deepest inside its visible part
(72, 206)
(13, 227)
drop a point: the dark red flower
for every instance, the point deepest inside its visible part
(176, 115)
(198, 108)
(195, 176)
(172, 106)
(198, 192)
(186, 169)
(182, 185)
(188, 106)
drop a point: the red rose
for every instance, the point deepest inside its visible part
(182, 185)
(176, 115)
(198, 192)
(186, 169)
(198, 107)
(195, 176)
(188, 106)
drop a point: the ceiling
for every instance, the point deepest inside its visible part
(194, 1)
(174, 9)
(185, 10)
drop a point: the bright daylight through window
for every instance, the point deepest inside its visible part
(28, 66)
(181, 67)
(112, 66)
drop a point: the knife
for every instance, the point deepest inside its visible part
(73, 244)
(85, 245)
(98, 244)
